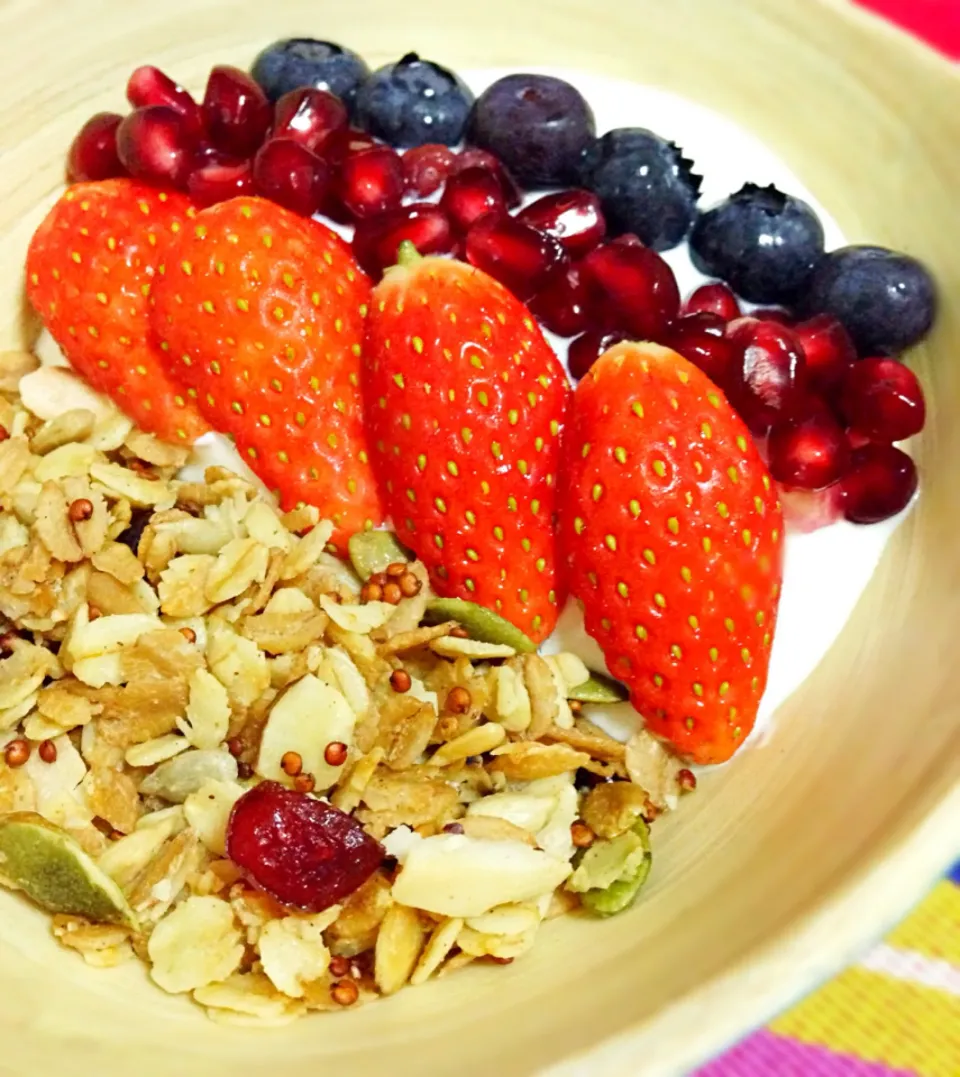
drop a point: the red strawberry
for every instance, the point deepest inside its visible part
(673, 536)
(261, 313)
(90, 269)
(464, 404)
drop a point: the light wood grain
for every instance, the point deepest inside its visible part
(789, 860)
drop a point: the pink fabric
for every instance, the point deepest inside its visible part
(765, 1054)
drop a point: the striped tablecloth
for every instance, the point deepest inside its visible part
(897, 1012)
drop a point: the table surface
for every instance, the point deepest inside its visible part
(897, 1012)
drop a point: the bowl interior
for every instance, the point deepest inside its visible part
(788, 859)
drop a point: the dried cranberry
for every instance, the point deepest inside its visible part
(515, 254)
(713, 298)
(572, 217)
(426, 226)
(303, 852)
(469, 195)
(561, 306)
(632, 290)
(587, 349)
(425, 168)
(700, 338)
(308, 116)
(879, 483)
(881, 399)
(769, 373)
(93, 153)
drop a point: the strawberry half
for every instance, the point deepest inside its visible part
(673, 536)
(90, 269)
(465, 402)
(261, 316)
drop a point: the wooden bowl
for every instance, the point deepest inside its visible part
(791, 859)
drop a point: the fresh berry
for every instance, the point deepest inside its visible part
(93, 153)
(882, 400)
(805, 511)
(218, 180)
(467, 435)
(371, 182)
(762, 242)
(645, 184)
(807, 451)
(469, 195)
(302, 851)
(236, 111)
(587, 348)
(700, 339)
(156, 145)
(338, 146)
(376, 242)
(90, 269)
(287, 173)
(561, 306)
(773, 314)
(472, 157)
(574, 218)
(880, 482)
(514, 253)
(150, 86)
(769, 372)
(309, 117)
(413, 102)
(632, 290)
(425, 168)
(672, 535)
(303, 61)
(261, 314)
(827, 349)
(714, 298)
(887, 301)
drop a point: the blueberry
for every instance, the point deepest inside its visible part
(537, 125)
(645, 184)
(887, 301)
(762, 242)
(302, 61)
(413, 102)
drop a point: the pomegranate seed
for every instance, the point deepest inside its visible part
(218, 179)
(290, 175)
(714, 298)
(808, 451)
(302, 851)
(879, 483)
(426, 226)
(772, 314)
(93, 153)
(587, 349)
(342, 143)
(425, 168)
(515, 254)
(371, 182)
(150, 86)
(308, 116)
(236, 111)
(157, 145)
(470, 194)
(882, 400)
(474, 158)
(562, 305)
(769, 371)
(699, 337)
(809, 510)
(572, 217)
(827, 348)
(632, 290)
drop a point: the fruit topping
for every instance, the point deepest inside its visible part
(157, 145)
(561, 306)
(880, 482)
(309, 117)
(413, 102)
(631, 290)
(470, 194)
(150, 86)
(425, 168)
(482, 624)
(700, 338)
(827, 348)
(808, 451)
(471, 486)
(645, 185)
(261, 313)
(93, 153)
(289, 174)
(805, 511)
(513, 253)
(574, 218)
(373, 551)
(90, 269)
(610, 874)
(769, 372)
(598, 689)
(472, 157)
(537, 125)
(672, 534)
(295, 62)
(236, 111)
(304, 852)
(218, 180)
(377, 241)
(882, 400)
(713, 298)
(762, 242)
(586, 349)
(371, 181)
(886, 301)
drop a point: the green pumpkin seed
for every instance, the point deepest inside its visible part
(481, 623)
(372, 551)
(599, 689)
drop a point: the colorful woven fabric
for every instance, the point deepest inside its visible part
(895, 1014)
